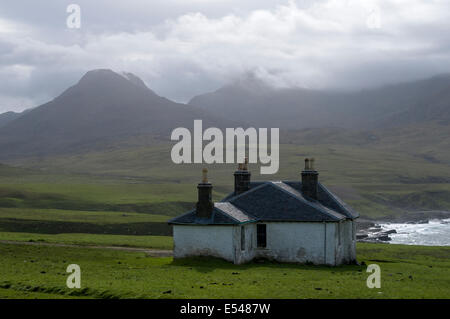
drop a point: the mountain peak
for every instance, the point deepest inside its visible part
(98, 73)
(103, 107)
(250, 82)
(110, 76)
(134, 79)
(106, 80)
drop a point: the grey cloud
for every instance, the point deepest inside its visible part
(182, 48)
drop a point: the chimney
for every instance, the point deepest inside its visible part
(310, 179)
(204, 205)
(242, 178)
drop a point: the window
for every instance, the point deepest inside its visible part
(261, 235)
(242, 238)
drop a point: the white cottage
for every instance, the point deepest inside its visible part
(288, 221)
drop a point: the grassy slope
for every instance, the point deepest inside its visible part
(406, 272)
(79, 216)
(154, 242)
(378, 180)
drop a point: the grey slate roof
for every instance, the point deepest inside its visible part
(223, 214)
(231, 210)
(328, 199)
(273, 201)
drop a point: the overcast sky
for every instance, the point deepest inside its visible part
(182, 48)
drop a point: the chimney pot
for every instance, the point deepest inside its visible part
(205, 175)
(306, 164)
(245, 166)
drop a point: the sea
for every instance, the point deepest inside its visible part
(434, 233)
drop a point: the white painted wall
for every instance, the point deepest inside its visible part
(208, 240)
(298, 242)
(318, 243)
(346, 248)
(246, 255)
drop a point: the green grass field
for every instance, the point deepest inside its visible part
(40, 272)
(99, 217)
(124, 197)
(154, 242)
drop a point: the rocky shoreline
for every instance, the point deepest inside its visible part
(369, 230)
